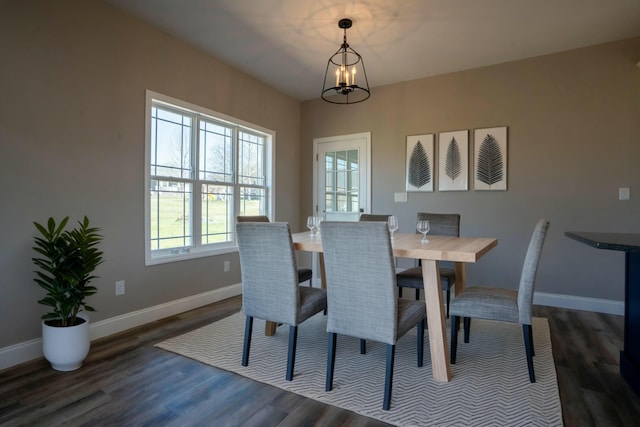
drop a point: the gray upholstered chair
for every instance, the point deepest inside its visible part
(270, 288)
(506, 305)
(440, 225)
(374, 217)
(304, 274)
(362, 297)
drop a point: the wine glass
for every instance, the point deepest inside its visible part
(423, 227)
(393, 224)
(319, 220)
(312, 224)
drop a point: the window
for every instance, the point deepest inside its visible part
(203, 169)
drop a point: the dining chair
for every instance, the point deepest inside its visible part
(304, 274)
(374, 217)
(440, 225)
(270, 288)
(506, 305)
(362, 297)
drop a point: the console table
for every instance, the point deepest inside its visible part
(630, 245)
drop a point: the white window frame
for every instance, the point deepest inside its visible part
(197, 250)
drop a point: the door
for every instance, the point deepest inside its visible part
(342, 177)
(341, 181)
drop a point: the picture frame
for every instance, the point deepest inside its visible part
(490, 159)
(453, 161)
(419, 163)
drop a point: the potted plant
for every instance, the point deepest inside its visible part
(66, 264)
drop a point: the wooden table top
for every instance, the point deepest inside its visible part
(407, 245)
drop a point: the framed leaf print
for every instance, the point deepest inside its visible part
(419, 163)
(490, 159)
(453, 161)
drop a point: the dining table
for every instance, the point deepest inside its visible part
(629, 243)
(460, 250)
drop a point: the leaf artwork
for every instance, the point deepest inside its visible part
(490, 169)
(419, 167)
(453, 166)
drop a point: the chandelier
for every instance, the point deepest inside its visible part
(345, 80)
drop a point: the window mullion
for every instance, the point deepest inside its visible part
(235, 172)
(197, 185)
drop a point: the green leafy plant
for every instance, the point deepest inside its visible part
(68, 260)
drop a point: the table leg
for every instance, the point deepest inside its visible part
(461, 277)
(270, 328)
(436, 321)
(323, 274)
(630, 355)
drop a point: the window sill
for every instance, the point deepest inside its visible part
(150, 260)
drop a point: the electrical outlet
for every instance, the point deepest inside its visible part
(624, 193)
(120, 287)
(400, 197)
(227, 266)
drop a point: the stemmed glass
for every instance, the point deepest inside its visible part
(312, 224)
(393, 224)
(423, 227)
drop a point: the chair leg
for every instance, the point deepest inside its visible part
(363, 346)
(455, 325)
(291, 358)
(420, 342)
(400, 291)
(331, 360)
(533, 350)
(388, 382)
(448, 301)
(417, 294)
(528, 341)
(467, 328)
(248, 328)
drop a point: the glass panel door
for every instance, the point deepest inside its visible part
(342, 177)
(342, 183)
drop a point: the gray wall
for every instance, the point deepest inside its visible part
(574, 138)
(73, 80)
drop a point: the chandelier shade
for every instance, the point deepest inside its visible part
(345, 79)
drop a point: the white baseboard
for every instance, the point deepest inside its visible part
(579, 303)
(32, 349)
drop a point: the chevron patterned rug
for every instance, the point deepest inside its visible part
(489, 387)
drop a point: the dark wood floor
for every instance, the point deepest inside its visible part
(127, 382)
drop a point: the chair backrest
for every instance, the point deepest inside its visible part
(374, 217)
(442, 224)
(269, 272)
(252, 218)
(529, 270)
(361, 281)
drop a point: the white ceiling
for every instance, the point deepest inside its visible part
(287, 43)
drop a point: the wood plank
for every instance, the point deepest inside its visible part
(443, 248)
(408, 245)
(461, 277)
(436, 321)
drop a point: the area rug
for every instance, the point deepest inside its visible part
(489, 387)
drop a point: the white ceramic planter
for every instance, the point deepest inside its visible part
(66, 347)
